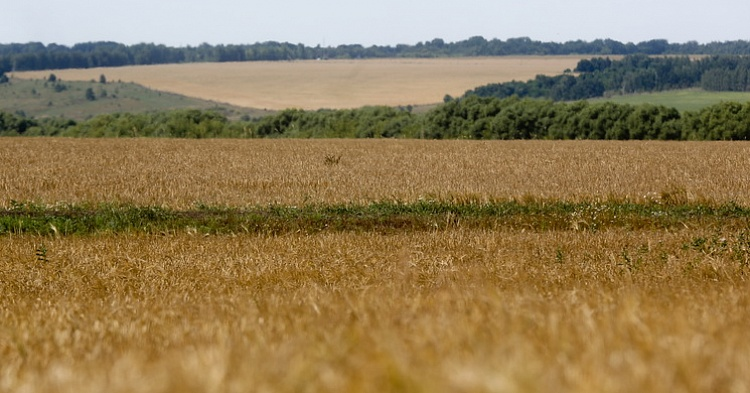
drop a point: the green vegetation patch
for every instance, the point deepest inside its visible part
(469, 118)
(382, 217)
(683, 100)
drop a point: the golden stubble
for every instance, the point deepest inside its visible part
(326, 84)
(240, 173)
(458, 310)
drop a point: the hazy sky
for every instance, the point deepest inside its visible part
(381, 22)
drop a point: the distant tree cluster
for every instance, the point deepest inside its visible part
(634, 73)
(366, 122)
(467, 118)
(727, 74)
(515, 118)
(37, 56)
(188, 123)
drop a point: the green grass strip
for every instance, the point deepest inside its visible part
(381, 216)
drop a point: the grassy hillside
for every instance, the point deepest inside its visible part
(41, 98)
(683, 100)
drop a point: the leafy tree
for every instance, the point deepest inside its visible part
(279, 124)
(723, 121)
(14, 124)
(90, 94)
(595, 64)
(653, 122)
(654, 47)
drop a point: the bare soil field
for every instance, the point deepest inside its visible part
(326, 83)
(183, 173)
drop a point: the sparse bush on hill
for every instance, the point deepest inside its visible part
(90, 96)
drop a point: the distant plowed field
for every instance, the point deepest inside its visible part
(326, 83)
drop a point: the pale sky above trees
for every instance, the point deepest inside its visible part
(382, 22)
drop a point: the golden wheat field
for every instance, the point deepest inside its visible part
(326, 84)
(459, 309)
(182, 173)
(448, 311)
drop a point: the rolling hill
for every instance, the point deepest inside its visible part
(334, 84)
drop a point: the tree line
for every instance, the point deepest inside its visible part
(38, 56)
(472, 117)
(638, 73)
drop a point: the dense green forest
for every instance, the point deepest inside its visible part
(37, 56)
(633, 74)
(469, 118)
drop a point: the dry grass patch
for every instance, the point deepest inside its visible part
(183, 173)
(458, 310)
(326, 84)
